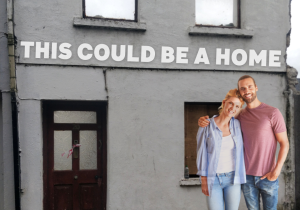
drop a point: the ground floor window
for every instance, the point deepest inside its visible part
(192, 112)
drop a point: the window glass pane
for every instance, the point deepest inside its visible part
(75, 117)
(192, 112)
(216, 12)
(116, 9)
(62, 144)
(88, 149)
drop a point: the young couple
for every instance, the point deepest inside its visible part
(228, 164)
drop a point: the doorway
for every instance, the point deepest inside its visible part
(75, 155)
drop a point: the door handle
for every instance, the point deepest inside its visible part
(99, 180)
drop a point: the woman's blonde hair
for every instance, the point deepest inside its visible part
(232, 93)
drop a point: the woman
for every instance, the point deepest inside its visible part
(220, 156)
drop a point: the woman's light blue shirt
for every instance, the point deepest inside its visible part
(209, 142)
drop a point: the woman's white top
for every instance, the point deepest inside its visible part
(226, 160)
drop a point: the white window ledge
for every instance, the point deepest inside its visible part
(212, 31)
(190, 182)
(109, 24)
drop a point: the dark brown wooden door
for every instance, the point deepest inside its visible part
(78, 181)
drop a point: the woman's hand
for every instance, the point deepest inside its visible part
(204, 185)
(203, 122)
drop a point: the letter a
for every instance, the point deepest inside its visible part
(201, 57)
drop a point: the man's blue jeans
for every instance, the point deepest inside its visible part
(256, 187)
(224, 193)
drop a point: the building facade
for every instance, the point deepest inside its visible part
(126, 92)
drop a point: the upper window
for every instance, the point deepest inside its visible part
(111, 9)
(218, 13)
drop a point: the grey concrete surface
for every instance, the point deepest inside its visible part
(50, 82)
(145, 131)
(52, 21)
(155, 153)
(298, 85)
(229, 32)
(99, 23)
(145, 100)
(6, 144)
(1, 158)
(31, 156)
(7, 169)
(4, 68)
(297, 150)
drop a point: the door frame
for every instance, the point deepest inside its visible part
(47, 108)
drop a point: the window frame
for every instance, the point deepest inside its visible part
(115, 19)
(238, 19)
(217, 104)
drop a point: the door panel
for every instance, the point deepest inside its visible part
(87, 200)
(63, 197)
(78, 181)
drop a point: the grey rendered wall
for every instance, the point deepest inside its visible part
(298, 85)
(151, 142)
(297, 146)
(145, 128)
(167, 25)
(2, 43)
(7, 164)
(1, 158)
(6, 143)
(47, 82)
(146, 107)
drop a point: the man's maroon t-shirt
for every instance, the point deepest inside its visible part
(259, 126)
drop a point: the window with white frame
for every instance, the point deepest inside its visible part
(218, 13)
(111, 9)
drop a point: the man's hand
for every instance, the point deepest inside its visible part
(271, 176)
(203, 122)
(284, 149)
(204, 185)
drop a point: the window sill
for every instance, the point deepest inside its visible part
(190, 182)
(211, 31)
(109, 24)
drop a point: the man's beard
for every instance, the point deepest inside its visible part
(250, 100)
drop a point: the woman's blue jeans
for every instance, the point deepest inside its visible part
(224, 193)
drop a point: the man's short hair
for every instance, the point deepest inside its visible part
(245, 77)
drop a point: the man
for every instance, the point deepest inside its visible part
(262, 126)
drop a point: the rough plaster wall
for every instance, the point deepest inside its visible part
(146, 108)
(4, 68)
(3, 79)
(52, 82)
(297, 146)
(1, 157)
(146, 154)
(47, 82)
(7, 155)
(298, 85)
(290, 160)
(167, 25)
(31, 144)
(145, 131)
(6, 145)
